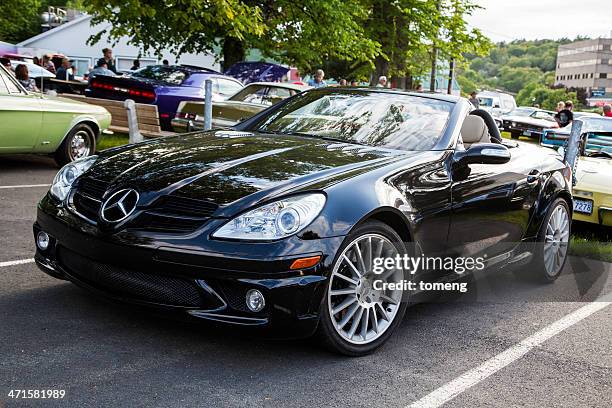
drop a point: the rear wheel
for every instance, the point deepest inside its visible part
(552, 247)
(355, 317)
(80, 142)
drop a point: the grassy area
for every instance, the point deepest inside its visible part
(108, 141)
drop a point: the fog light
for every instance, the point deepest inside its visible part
(42, 240)
(255, 300)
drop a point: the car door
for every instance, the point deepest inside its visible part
(491, 204)
(20, 116)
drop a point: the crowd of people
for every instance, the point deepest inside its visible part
(65, 71)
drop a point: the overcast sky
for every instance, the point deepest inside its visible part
(505, 20)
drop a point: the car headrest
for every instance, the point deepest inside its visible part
(474, 130)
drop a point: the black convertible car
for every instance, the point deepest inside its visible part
(275, 222)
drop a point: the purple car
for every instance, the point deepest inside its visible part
(164, 86)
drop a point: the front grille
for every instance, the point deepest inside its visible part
(175, 214)
(153, 221)
(87, 198)
(129, 283)
(185, 206)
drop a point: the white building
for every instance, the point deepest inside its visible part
(71, 38)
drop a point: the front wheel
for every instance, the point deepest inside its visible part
(80, 143)
(355, 317)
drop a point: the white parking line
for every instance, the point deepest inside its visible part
(17, 262)
(25, 186)
(474, 376)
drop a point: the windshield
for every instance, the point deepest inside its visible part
(521, 112)
(170, 75)
(485, 101)
(388, 120)
(597, 125)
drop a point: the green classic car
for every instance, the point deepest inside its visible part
(33, 123)
(250, 100)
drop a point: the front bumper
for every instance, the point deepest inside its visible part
(195, 282)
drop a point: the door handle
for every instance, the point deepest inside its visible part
(533, 176)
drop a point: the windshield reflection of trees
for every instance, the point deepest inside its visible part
(375, 119)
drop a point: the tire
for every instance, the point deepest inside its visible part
(552, 245)
(515, 135)
(369, 307)
(80, 142)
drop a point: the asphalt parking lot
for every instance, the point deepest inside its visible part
(54, 335)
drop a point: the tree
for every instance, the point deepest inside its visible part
(20, 19)
(303, 33)
(185, 26)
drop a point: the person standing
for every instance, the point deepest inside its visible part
(382, 82)
(607, 111)
(64, 72)
(342, 82)
(48, 64)
(108, 58)
(165, 63)
(317, 81)
(560, 106)
(474, 100)
(136, 65)
(565, 116)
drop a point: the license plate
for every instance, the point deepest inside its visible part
(526, 133)
(583, 206)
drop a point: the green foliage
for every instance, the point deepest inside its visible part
(182, 26)
(523, 67)
(537, 93)
(19, 19)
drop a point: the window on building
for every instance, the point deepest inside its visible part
(80, 65)
(603, 75)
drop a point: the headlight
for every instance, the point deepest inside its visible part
(275, 220)
(62, 183)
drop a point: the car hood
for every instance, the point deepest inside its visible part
(228, 167)
(593, 174)
(531, 121)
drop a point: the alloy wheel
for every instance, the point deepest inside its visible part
(80, 145)
(556, 240)
(361, 314)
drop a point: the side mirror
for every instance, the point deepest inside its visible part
(483, 153)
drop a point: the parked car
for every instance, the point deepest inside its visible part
(530, 122)
(593, 190)
(33, 123)
(164, 86)
(250, 100)
(274, 223)
(497, 104)
(591, 126)
(35, 71)
(248, 72)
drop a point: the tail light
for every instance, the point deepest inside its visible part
(137, 93)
